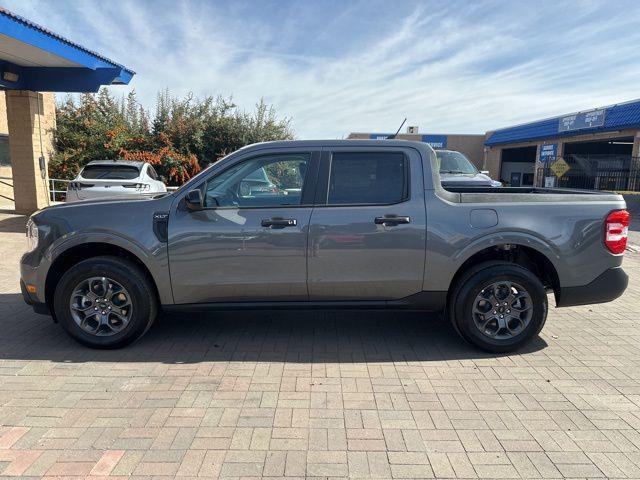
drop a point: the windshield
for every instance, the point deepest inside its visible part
(454, 162)
(110, 172)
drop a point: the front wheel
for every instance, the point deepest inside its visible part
(105, 302)
(498, 306)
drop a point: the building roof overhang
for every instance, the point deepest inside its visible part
(35, 58)
(611, 118)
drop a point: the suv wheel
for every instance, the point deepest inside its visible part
(105, 302)
(498, 306)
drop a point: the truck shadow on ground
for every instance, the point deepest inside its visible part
(294, 336)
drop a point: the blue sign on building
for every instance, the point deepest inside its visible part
(578, 121)
(436, 141)
(548, 153)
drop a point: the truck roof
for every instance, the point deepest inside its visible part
(341, 142)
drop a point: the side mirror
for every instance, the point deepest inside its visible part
(162, 178)
(484, 172)
(193, 200)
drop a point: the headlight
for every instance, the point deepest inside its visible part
(32, 235)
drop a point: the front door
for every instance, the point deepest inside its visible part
(368, 230)
(249, 243)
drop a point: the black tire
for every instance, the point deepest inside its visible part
(126, 273)
(478, 278)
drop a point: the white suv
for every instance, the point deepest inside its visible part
(113, 178)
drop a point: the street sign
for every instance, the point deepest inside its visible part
(578, 121)
(548, 153)
(560, 167)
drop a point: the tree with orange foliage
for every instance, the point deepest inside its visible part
(184, 135)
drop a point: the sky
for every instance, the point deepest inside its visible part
(335, 67)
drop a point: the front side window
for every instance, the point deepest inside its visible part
(265, 181)
(110, 172)
(367, 178)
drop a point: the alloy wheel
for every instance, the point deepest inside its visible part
(101, 306)
(502, 310)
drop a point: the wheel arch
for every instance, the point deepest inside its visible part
(83, 251)
(524, 255)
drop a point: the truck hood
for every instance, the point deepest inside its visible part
(120, 203)
(467, 180)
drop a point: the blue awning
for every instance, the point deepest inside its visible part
(34, 58)
(614, 117)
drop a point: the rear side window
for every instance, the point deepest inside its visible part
(367, 178)
(152, 173)
(110, 172)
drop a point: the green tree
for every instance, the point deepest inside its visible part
(183, 136)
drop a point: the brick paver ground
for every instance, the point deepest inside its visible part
(318, 394)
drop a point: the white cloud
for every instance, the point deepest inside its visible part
(448, 69)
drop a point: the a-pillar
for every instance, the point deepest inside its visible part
(31, 119)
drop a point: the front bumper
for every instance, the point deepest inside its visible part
(38, 307)
(605, 288)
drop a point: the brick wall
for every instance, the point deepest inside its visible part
(31, 121)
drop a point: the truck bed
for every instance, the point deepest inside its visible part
(529, 194)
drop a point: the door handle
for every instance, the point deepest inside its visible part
(277, 222)
(391, 220)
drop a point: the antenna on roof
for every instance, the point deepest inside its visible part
(391, 137)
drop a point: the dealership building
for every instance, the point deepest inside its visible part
(600, 148)
(594, 149)
(471, 145)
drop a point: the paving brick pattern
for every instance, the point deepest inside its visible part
(318, 394)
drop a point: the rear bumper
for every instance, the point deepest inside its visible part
(605, 288)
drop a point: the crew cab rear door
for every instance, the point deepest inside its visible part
(368, 228)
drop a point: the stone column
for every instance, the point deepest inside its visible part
(635, 152)
(31, 120)
(493, 161)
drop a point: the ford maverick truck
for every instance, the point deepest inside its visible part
(337, 224)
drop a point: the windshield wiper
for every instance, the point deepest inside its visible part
(454, 171)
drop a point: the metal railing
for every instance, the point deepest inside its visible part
(6, 182)
(592, 172)
(58, 189)
(58, 194)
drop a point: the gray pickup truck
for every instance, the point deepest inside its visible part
(344, 224)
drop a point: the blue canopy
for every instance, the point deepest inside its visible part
(34, 58)
(605, 119)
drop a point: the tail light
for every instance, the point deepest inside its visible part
(138, 186)
(616, 231)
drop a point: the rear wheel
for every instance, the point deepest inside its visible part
(498, 306)
(105, 302)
